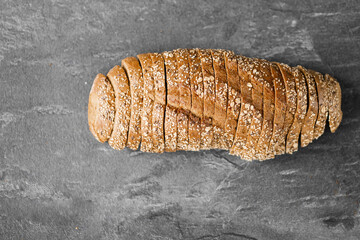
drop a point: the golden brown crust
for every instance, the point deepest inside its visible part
(120, 83)
(276, 146)
(323, 103)
(134, 73)
(246, 110)
(101, 108)
(335, 113)
(158, 113)
(148, 102)
(268, 110)
(307, 130)
(292, 143)
(234, 97)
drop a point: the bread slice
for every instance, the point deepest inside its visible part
(277, 142)
(172, 103)
(101, 108)
(221, 90)
(221, 87)
(134, 73)
(234, 97)
(290, 104)
(148, 102)
(292, 140)
(183, 78)
(323, 101)
(257, 99)
(262, 145)
(335, 113)
(158, 112)
(207, 133)
(246, 110)
(120, 83)
(307, 130)
(197, 99)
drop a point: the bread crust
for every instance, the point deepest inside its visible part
(134, 73)
(172, 103)
(148, 102)
(307, 131)
(323, 101)
(158, 112)
(101, 108)
(120, 83)
(292, 143)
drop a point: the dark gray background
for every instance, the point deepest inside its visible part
(58, 182)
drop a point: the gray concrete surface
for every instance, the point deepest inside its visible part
(57, 182)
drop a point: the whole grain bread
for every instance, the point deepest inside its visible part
(323, 102)
(192, 99)
(292, 143)
(234, 97)
(307, 131)
(148, 102)
(277, 141)
(158, 112)
(221, 96)
(134, 73)
(172, 102)
(246, 110)
(207, 132)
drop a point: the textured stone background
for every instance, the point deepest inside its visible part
(57, 182)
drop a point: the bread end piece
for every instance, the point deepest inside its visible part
(335, 113)
(101, 108)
